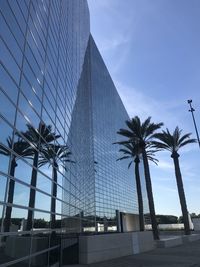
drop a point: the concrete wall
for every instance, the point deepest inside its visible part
(172, 226)
(196, 223)
(19, 246)
(130, 222)
(98, 248)
(173, 241)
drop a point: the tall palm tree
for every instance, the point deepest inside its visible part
(132, 151)
(143, 134)
(38, 138)
(54, 155)
(21, 148)
(173, 142)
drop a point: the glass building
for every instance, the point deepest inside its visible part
(59, 114)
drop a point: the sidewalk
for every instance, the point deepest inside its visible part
(187, 255)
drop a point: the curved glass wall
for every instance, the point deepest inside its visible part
(42, 48)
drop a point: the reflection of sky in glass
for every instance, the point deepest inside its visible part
(115, 184)
(19, 213)
(42, 215)
(43, 183)
(3, 181)
(23, 172)
(39, 83)
(21, 194)
(98, 113)
(1, 209)
(7, 109)
(4, 162)
(42, 201)
(43, 81)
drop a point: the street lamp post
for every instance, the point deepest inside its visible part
(192, 112)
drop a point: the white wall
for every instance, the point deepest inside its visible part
(130, 222)
(96, 248)
(196, 223)
(172, 226)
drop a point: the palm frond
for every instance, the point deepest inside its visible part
(154, 160)
(4, 151)
(190, 141)
(42, 162)
(9, 142)
(135, 126)
(129, 165)
(161, 145)
(55, 154)
(126, 133)
(139, 137)
(41, 135)
(125, 157)
(145, 126)
(150, 130)
(172, 141)
(121, 142)
(125, 151)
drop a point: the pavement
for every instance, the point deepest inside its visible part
(187, 255)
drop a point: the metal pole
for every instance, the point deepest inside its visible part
(192, 112)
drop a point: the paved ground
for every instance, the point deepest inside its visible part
(187, 255)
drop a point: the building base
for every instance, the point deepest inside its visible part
(98, 248)
(176, 240)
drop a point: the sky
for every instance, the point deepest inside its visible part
(152, 51)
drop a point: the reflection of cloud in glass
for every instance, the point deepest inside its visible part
(3, 181)
(21, 195)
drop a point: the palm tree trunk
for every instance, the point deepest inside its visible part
(54, 195)
(11, 189)
(150, 195)
(139, 193)
(29, 224)
(181, 193)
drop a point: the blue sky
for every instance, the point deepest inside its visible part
(151, 49)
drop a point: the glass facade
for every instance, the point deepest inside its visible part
(42, 49)
(59, 114)
(115, 187)
(105, 184)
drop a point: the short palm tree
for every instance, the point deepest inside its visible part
(54, 155)
(173, 142)
(38, 139)
(142, 133)
(21, 148)
(132, 151)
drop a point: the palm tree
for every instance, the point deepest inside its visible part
(142, 133)
(132, 151)
(173, 142)
(21, 148)
(54, 155)
(38, 138)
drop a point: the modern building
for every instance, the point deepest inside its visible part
(59, 114)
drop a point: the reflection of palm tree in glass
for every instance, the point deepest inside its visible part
(21, 148)
(38, 138)
(54, 155)
(133, 151)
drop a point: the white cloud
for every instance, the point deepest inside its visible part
(114, 43)
(138, 103)
(165, 165)
(165, 189)
(170, 113)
